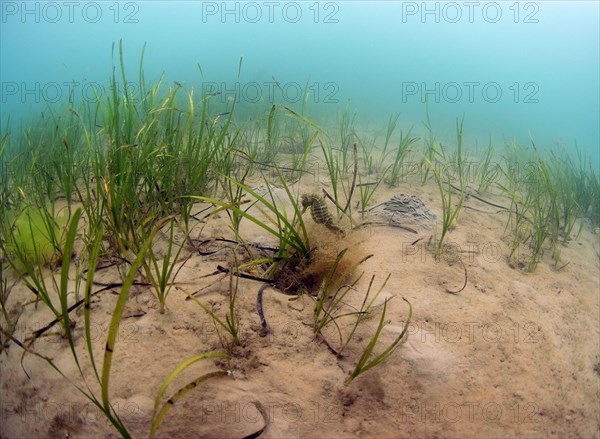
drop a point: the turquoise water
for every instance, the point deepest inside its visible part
(511, 68)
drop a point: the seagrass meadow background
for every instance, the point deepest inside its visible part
(509, 68)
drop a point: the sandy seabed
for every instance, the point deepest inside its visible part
(514, 354)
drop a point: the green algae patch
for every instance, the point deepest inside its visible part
(36, 237)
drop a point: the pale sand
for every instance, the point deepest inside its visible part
(513, 355)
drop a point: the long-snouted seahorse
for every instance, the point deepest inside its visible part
(319, 212)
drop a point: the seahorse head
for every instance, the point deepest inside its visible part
(307, 200)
